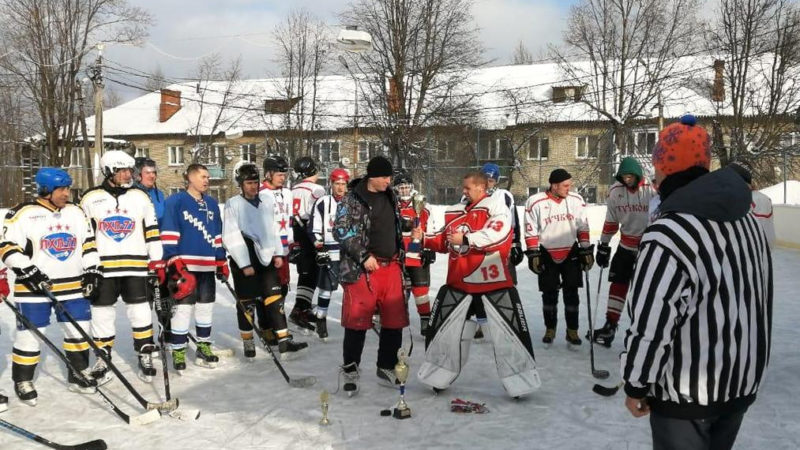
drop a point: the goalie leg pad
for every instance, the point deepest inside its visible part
(448, 340)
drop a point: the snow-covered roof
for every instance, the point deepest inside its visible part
(502, 96)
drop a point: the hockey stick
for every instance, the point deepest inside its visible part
(142, 419)
(163, 321)
(606, 391)
(97, 444)
(293, 382)
(597, 373)
(100, 353)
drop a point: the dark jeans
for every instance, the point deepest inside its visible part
(713, 433)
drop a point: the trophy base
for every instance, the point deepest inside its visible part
(401, 413)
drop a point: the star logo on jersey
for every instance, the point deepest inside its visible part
(117, 227)
(283, 224)
(59, 245)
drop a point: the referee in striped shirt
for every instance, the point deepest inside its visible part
(701, 303)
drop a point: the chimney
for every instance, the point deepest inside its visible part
(170, 104)
(718, 88)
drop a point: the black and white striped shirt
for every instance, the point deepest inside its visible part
(701, 315)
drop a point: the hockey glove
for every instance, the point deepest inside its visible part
(181, 283)
(516, 255)
(33, 279)
(586, 257)
(294, 254)
(603, 255)
(159, 268)
(535, 261)
(92, 277)
(223, 271)
(4, 289)
(428, 257)
(323, 259)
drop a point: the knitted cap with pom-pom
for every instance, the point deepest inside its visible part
(681, 146)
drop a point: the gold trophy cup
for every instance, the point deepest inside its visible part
(402, 411)
(323, 400)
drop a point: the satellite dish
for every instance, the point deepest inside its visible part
(354, 40)
(346, 161)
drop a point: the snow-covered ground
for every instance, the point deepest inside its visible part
(249, 406)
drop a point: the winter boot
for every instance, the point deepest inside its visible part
(423, 324)
(205, 357)
(351, 375)
(26, 392)
(322, 328)
(605, 335)
(387, 378)
(302, 318)
(289, 349)
(249, 349)
(146, 369)
(573, 338)
(549, 335)
(3, 403)
(100, 370)
(179, 359)
(81, 385)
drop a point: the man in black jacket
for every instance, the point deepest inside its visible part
(701, 306)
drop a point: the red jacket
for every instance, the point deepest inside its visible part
(407, 214)
(482, 265)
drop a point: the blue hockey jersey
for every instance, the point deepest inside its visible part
(192, 231)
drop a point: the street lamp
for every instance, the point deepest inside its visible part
(353, 40)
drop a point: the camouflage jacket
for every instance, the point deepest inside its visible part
(351, 230)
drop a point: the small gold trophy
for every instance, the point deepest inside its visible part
(323, 400)
(415, 246)
(402, 411)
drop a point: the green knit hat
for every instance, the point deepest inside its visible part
(629, 166)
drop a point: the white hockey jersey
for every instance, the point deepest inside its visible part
(322, 217)
(556, 223)
(256, 223)
(627, 211)
(761, 207)
(282, 199)
(304, 195)
(126, 230)
(60, 242)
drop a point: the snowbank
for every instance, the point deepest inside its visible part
(775, 193)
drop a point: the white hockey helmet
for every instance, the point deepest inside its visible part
(114, 160)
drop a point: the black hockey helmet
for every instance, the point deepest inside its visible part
(401, 176)
(275, 164)
(245, 172)
(305, 167)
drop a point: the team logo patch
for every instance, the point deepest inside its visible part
(117, 227)
(59, 245)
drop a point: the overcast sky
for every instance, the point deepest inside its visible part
(186, 30)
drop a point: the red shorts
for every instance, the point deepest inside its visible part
(384, 291)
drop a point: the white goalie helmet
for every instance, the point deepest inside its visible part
(114, 160)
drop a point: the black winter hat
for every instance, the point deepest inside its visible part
(558, 175)
(379, 167)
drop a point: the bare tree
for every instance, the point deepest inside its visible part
(422, 53)
(46, 43)
(621, 56)
(303, 41)
(112, 98)
(521, 54)
(156, 81)
(759, 43)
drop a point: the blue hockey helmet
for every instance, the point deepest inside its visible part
(491, 170)
(48, 179)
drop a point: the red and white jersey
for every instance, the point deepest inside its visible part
(407, 212)
(627, 211)
(556, 223)
(321, 224)
(282, 199)
(482, 265)
(761, 207)
(304, 195)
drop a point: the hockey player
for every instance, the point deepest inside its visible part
(50, 245)
(555, 226)
(4, 291)
(322, 218)
(626, 211)
(477, 238)
(129, 245)
(192, 237)
(418, 263)
(145, 175)
(303, 254)
(760, 205)
(248, 234)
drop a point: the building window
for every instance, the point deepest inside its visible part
(215, 193)
(76, 157)
(446, 151)
(142, 152)
(645, 142)
(538, 148)
(213, 155)
(494, 149)
(533, 190)
(585, 147)
(247, 152)
(447, 195)
(175, 156)
(327, 152)
(589, 194)
(174, 190)
(368, 150)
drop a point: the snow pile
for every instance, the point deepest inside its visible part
(775, 193)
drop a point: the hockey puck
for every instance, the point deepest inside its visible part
(386, 412)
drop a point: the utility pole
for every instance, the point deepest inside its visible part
(84, 135)
(96, 76)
